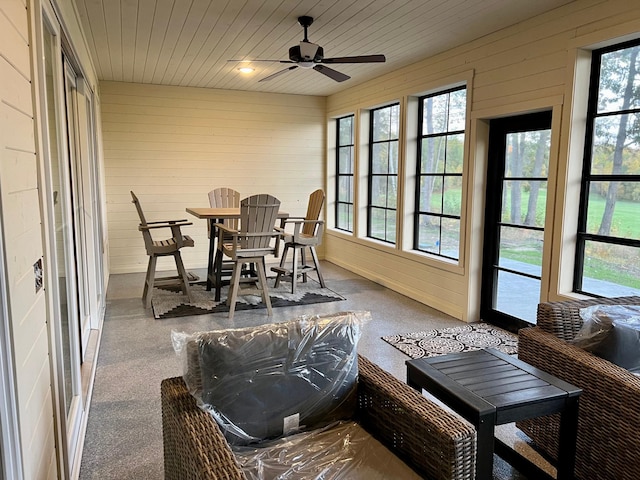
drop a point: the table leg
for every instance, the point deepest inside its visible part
(212, 249)
(567, 440)
(218, 274)
(485, 427)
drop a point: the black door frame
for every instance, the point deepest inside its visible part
(498, 130)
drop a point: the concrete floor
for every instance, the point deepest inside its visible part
(124, 432)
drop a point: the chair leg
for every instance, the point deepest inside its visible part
(314, 255)
(282, 263)
(148, 281)
(294, 270)
(262, 277)
(234, 286)
(304, 264)
(182, 273)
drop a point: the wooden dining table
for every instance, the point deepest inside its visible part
(213, 216)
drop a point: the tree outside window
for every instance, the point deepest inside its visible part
(383, 173)
(344, 173)
(441, 136)
(608, 241)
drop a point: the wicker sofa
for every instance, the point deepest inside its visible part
(433, 441)
(608, 444)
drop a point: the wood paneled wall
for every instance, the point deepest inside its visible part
(172, 145)
(21, 226)
(526, 67)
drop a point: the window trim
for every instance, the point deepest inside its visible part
(371, 175)
(419, 139)
(586, 178)
(339, 175)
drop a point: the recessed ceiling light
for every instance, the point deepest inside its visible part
(246, 69)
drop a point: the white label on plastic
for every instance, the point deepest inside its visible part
(291, 423)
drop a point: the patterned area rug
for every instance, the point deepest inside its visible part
(168, 302)
(473, 336)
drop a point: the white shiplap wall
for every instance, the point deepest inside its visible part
(172, 145)
(23, 244)
(515, 70)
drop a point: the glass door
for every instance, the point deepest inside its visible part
(74, 107)
(514, 219)
(59, 152)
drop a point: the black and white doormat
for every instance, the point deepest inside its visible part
(473, 336)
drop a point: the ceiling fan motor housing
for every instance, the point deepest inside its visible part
(306, 52)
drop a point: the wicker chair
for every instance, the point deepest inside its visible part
(435, 442)
(608, 436)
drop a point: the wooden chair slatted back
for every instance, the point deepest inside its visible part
(258, 214)
(316, 200)
(146, 234)
(224, 197)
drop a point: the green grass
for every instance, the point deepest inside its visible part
(625, 224)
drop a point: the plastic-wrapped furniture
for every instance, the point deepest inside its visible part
(608, 434)
(244, 394)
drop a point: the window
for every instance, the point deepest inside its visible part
(441, 130)
(344, 173)
(383, 173)
(608, 240)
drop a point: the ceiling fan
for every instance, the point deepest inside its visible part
(310, 55)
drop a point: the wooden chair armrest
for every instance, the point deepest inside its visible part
(152, 225)
(297, 229)
(184, 220)
(221, 227)
(235, 237)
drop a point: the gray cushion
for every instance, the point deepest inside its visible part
(612, 332)
(275, 379)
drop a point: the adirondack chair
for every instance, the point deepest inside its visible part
(220, 198)
(162, 248)
(250, 244)
(307, 233)
(225, 198)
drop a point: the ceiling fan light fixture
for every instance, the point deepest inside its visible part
(246, 70)
(309, 55)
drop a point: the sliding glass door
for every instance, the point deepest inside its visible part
(71, 186)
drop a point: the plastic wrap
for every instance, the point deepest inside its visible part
(612, 332)
(339, 451)
(277, 379)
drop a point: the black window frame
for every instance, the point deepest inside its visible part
(587, 178)
(371, 176)
(420, 138)
(340, 175)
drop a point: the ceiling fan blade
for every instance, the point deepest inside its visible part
(331, 73)
(358, 59)
(274, 75)
(253, 61)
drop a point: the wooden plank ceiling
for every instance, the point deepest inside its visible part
(188, 42)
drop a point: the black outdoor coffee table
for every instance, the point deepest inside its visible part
(488, 388)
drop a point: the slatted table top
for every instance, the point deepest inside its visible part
(489, 380)
(488, 388)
